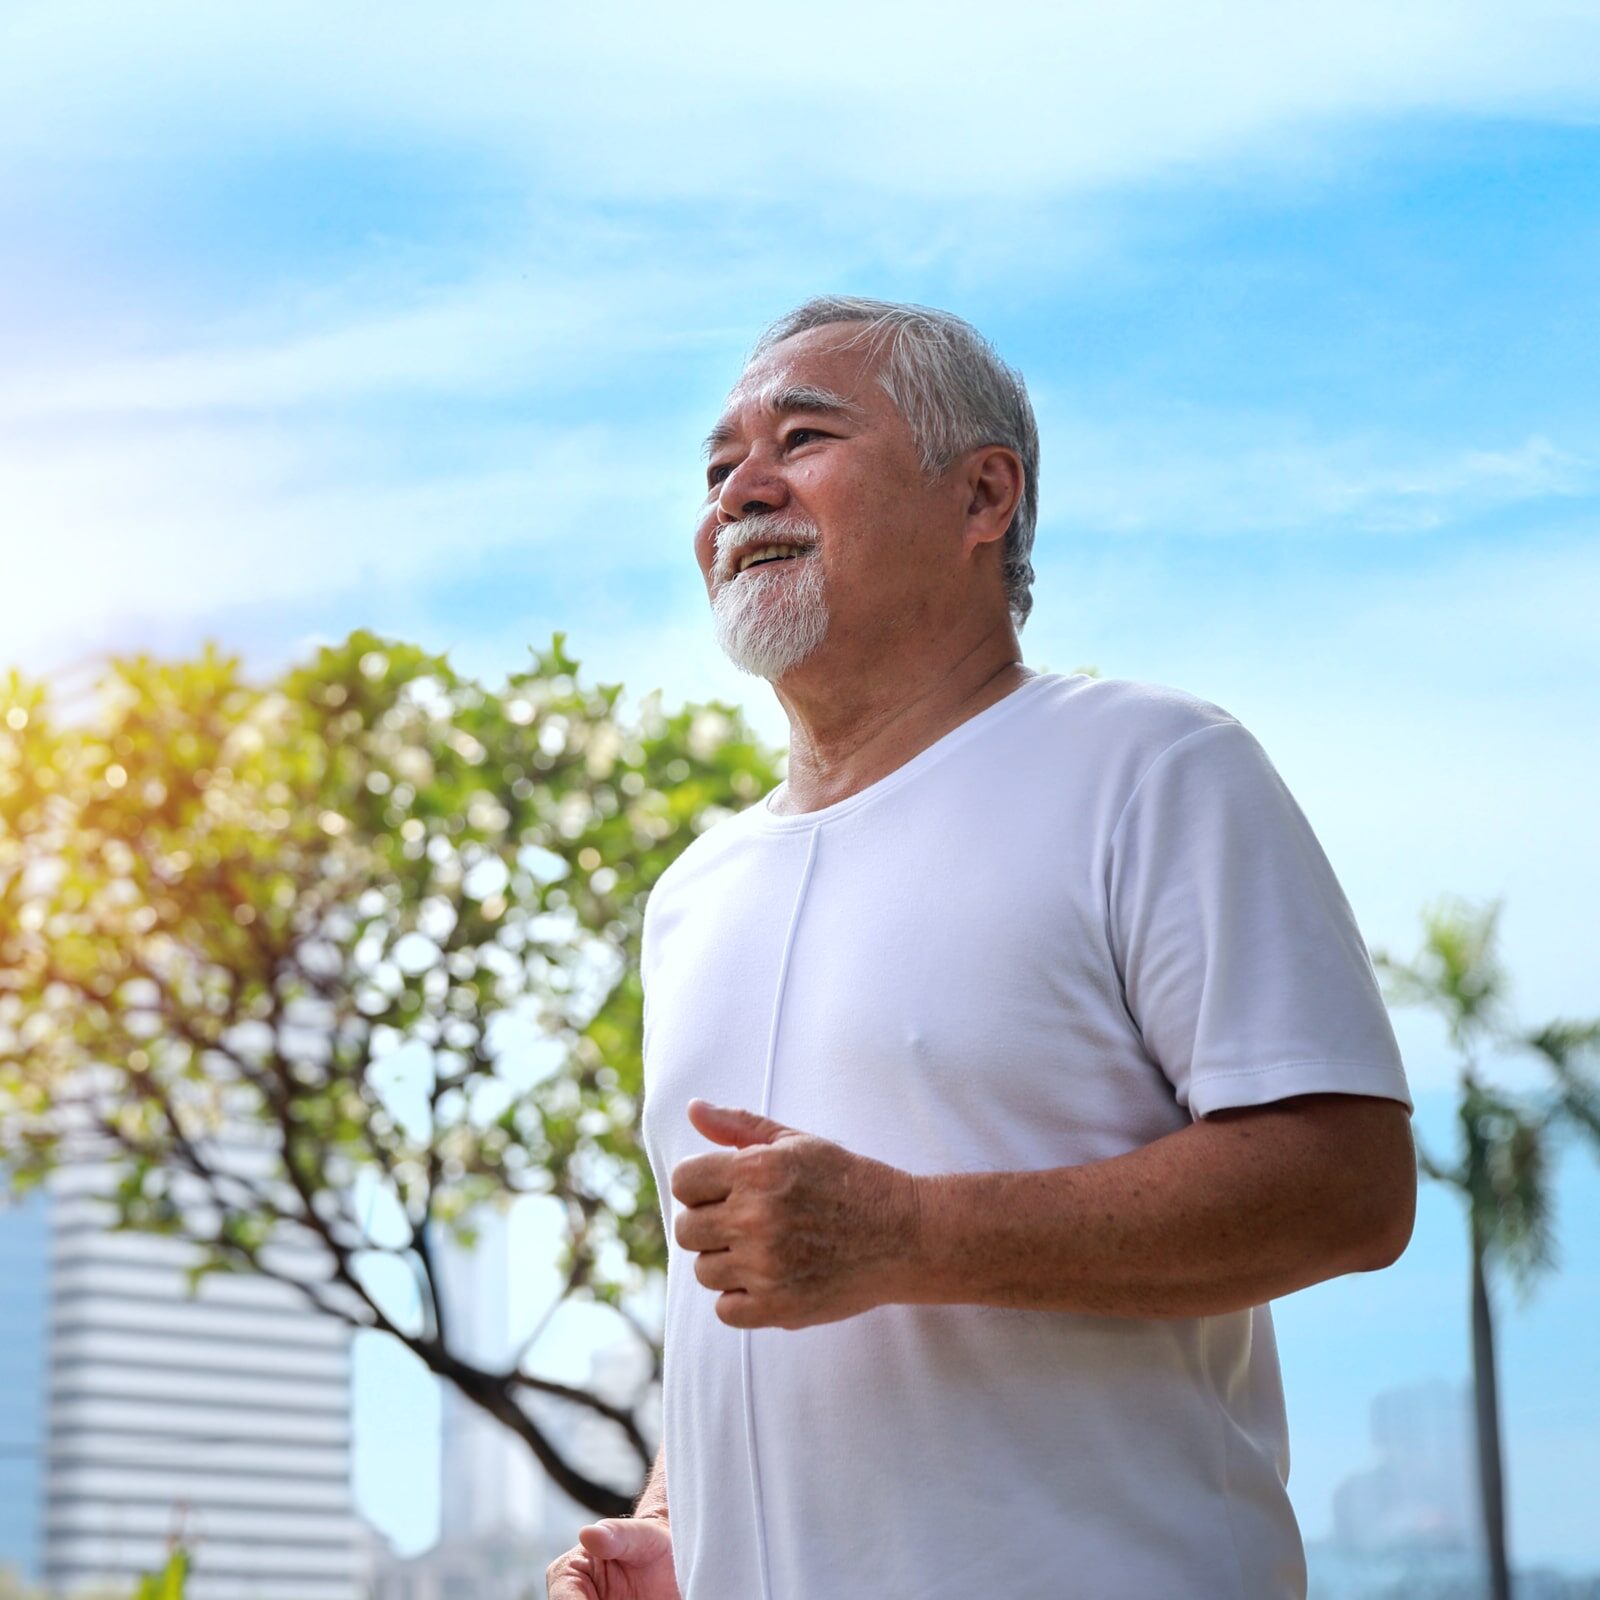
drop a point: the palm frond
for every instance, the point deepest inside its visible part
(1565, 1042)
(1571, 1050)
(1457, 972)
(1508, 1183)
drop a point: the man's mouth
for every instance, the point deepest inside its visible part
(766, 554)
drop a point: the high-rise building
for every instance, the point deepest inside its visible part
(221, 1418)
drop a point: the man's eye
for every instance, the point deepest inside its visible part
(795, 437)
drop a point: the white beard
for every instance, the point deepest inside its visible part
(766, 633)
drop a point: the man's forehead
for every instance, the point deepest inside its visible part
(814, 377)
(833, 355)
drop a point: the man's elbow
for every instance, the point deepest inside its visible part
(1386, 1211)
(1388, 1242)
(1367, 1178)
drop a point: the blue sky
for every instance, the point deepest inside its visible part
(314, 318)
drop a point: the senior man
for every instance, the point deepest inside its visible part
(1000, 1065)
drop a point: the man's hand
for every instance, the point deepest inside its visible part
(622, 1558)
(790, 1230)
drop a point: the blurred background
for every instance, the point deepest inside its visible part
(325, 319)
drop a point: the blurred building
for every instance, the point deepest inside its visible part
(1407, 1528)
(492, 1497)
(1422, 1494)
(501, 1521)
(221, 1418)
(490, 1485)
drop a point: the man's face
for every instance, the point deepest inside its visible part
(811, 455)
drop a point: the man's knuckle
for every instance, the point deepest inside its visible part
(761, 1165)
(741, 1216)
(740, 1310)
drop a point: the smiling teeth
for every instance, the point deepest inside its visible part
(767, 551)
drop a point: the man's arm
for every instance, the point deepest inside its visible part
(653, 1501)
(1228, 1213)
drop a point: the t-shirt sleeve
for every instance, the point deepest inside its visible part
(1239, 955)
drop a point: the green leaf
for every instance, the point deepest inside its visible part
(168, 1583)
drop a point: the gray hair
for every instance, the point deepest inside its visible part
(955, 394)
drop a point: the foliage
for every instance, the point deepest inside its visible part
(1507, 1139)
(1507, 1146)
(369, 929)
(168, 1583)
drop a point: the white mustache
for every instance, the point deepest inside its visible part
(763, 527)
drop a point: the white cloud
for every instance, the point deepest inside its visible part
(1186, 471)
(494, 334)
(724, 101)
(200, 515)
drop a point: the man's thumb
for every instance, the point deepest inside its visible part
(626, 1539)
(731, 1126)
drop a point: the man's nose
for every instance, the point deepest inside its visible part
(754, 485)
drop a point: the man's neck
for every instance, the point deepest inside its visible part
(846, 735)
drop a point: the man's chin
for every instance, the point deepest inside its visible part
(769, 631)
(769, 654)
(773, 666)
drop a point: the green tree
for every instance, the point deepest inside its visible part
(1507, 1144)
(278, 951)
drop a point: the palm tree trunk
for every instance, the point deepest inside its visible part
(1486, 1391)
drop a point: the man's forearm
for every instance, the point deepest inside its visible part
(1225, 1214)
(653, 1501)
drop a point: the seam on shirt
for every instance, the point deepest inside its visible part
(757, 1502)
(1109, 852)
(1280, 1066)
(1177, 744)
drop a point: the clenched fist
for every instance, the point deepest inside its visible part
(788, 1229)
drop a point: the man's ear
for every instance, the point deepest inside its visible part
(993, 483)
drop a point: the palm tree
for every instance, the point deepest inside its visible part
(1508, 1142)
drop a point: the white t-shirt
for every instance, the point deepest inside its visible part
(1085, 916)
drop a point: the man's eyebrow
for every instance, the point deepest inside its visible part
(715, 440)
(792, 397)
